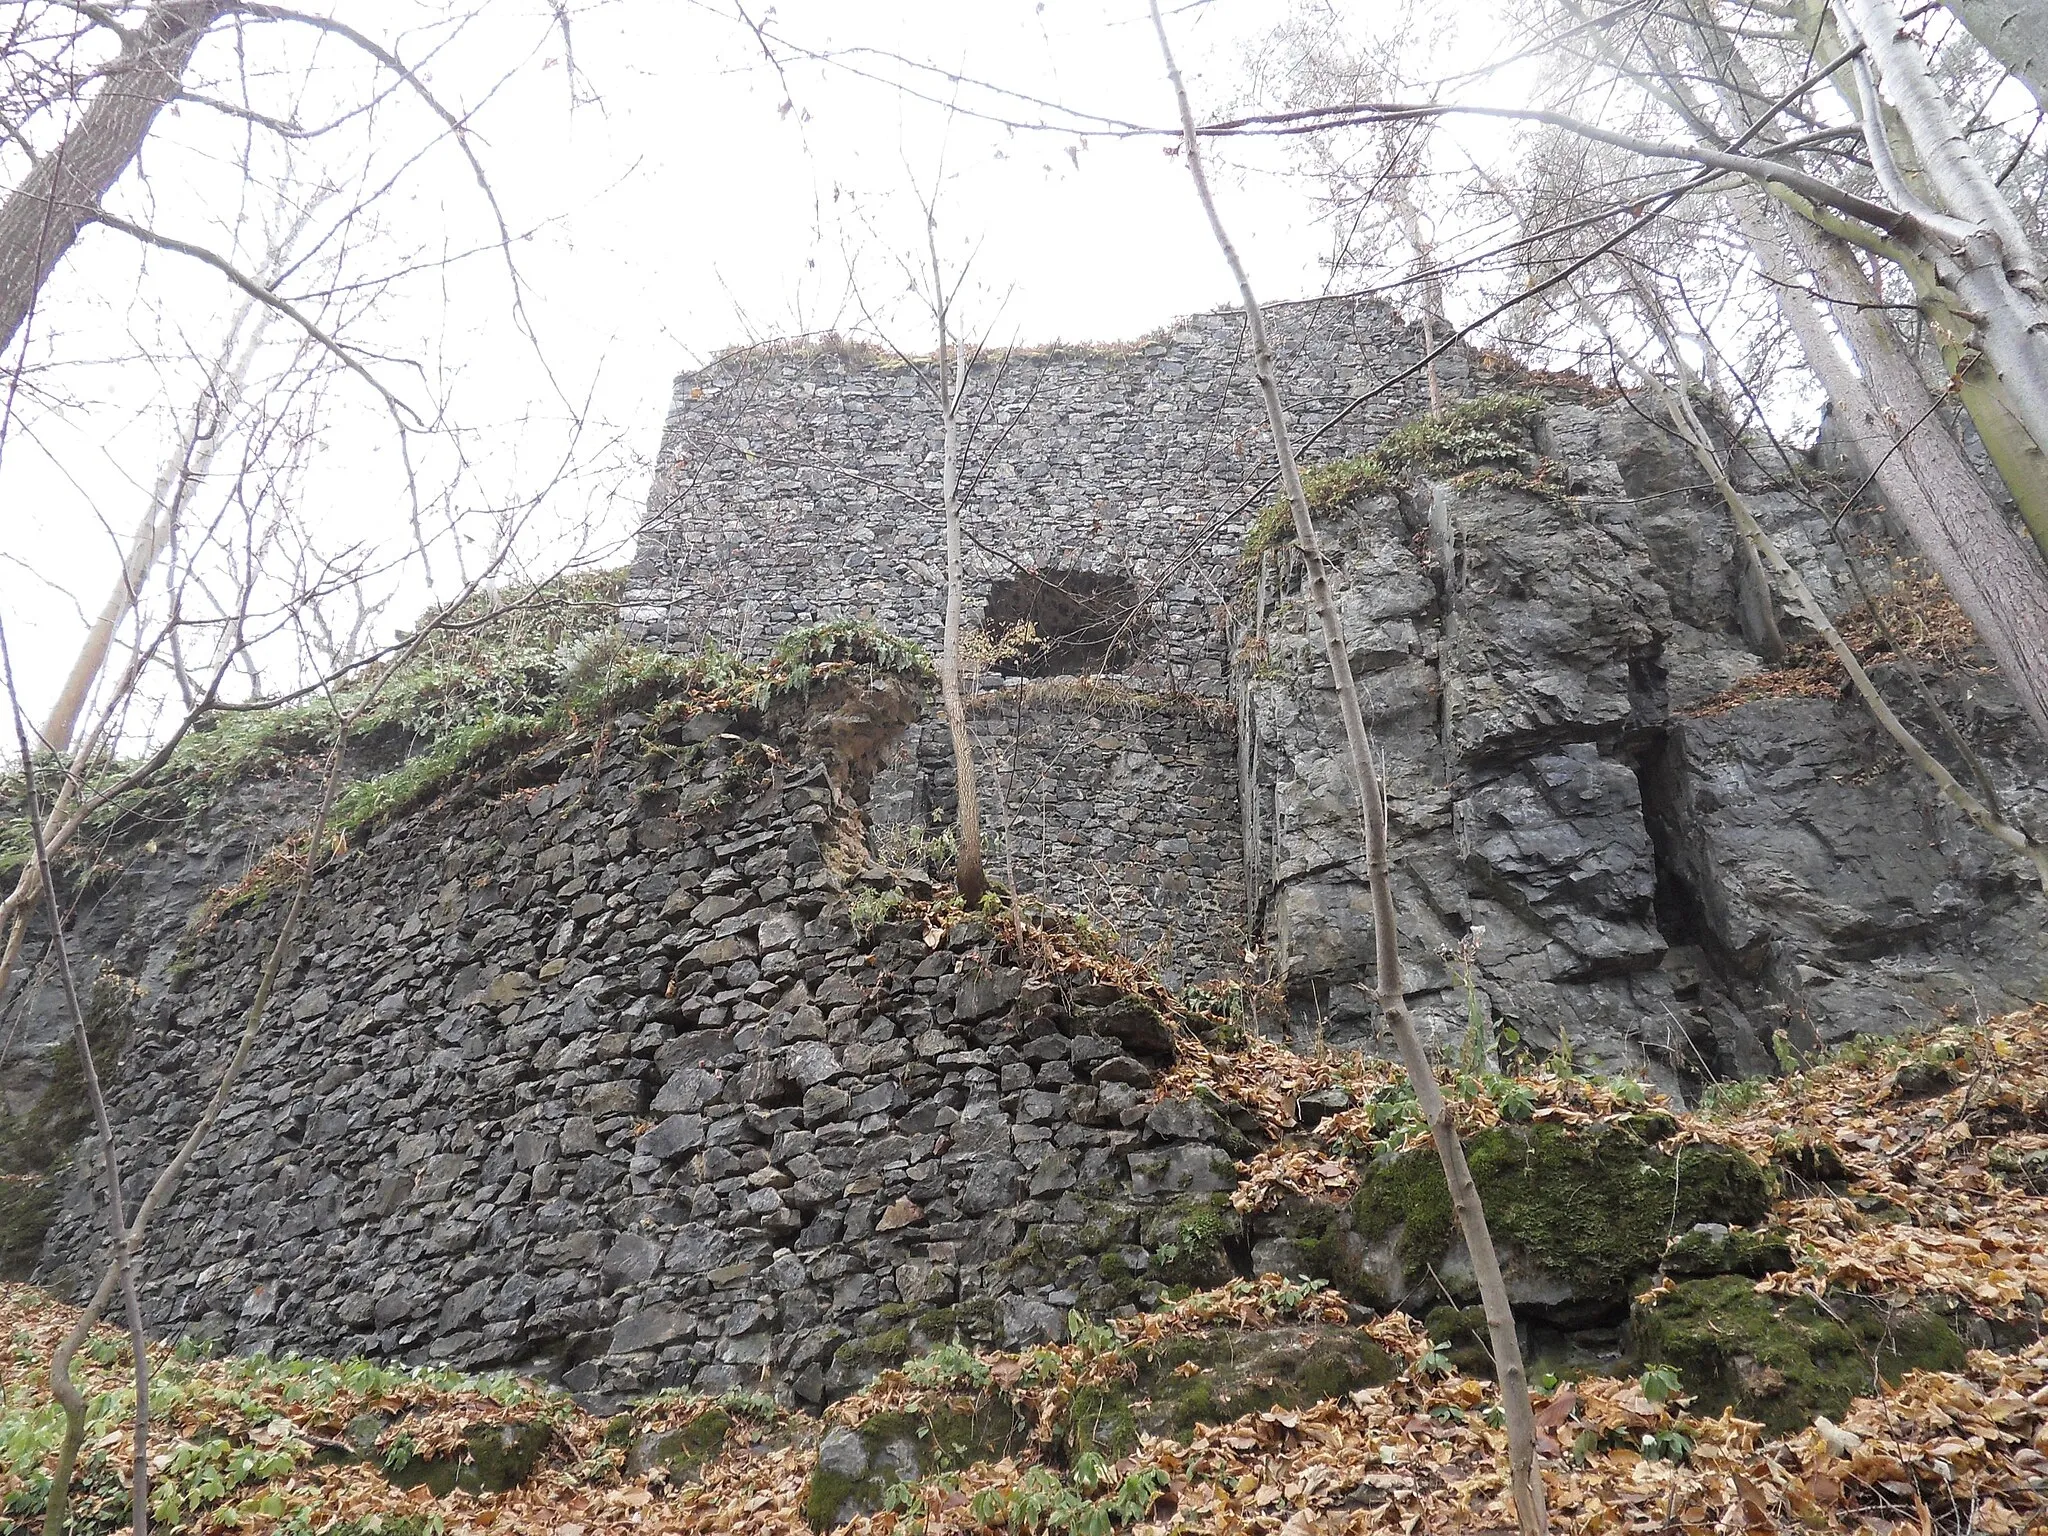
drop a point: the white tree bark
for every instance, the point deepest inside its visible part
(1886, 411)
(190, 459)
(2014, 32)
(1974, 243)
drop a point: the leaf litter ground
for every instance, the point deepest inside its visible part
(1929, 1162)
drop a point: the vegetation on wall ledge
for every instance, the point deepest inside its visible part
(532, 665)
(1488, 436)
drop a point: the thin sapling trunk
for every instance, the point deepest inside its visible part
(1524, 1480)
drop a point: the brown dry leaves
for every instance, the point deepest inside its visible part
(1925, 1211)
(1941, 1452)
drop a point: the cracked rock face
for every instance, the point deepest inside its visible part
(1595, 840)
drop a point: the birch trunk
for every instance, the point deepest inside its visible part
(1525, 1482)
(2014, 32)
(1994, 572)
(187, 465)
(41, 219)
(1988, 300)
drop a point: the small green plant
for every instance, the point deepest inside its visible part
(1091, 1338)
(1724, 1101)
(1660, 1383)
(1434, 1361)
(950, 1367)
(757, 1406)
(1041, 1367)
(871, 908)
(906, 1502)
(1089, 1501)
(1673, 1445)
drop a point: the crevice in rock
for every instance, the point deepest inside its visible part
(1717, 985)
(1680, 913)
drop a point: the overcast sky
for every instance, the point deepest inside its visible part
(674, 207)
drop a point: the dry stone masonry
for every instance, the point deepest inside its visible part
(588, 1071)
(622, 1063)
(1603, 842)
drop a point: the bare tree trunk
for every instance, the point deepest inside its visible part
(968, 875)
(187, 464)
(2014, 32)
(1689, 428)
(61, 194)
(110, 1167)
(1525, 1481)
(1994, 573)
(1974, 243)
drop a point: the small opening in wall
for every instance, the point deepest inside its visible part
(1085, 621)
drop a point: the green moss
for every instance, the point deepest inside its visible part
(685, 1451)
(1484, 439)
(1054, 1251)
(504, 1456)
(1213, 1378)
(829, 1492)
(493, 1458)
(507, 671)
(1736, 1252)
(905, 1444)
(1187, 1239)
(1597, 1203)
(1814, 1159)
(1099, 1419)
(1784, 1359)
(28, 1205)
(35, 1146)
(876, 1352)
(1461, 1333)
(975, 1322)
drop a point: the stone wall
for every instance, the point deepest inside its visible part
(1602, 839)
(799, 483)
(1114, 803)
(587, 1070)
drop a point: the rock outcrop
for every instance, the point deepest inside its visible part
(1618, 830)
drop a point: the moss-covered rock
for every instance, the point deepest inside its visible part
(1220, 1375)
(859, 1361)
(1460, 1332)
(28, 1205)
(35, 1146)
(1714, 1249)
(1810, 1159)
(1784, 1359)
(1189, 1238)
(1578, 1212)
(684, 1452)
(967, 1322)
(857, 1463)
(492, 1458)
(1302, 1238)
